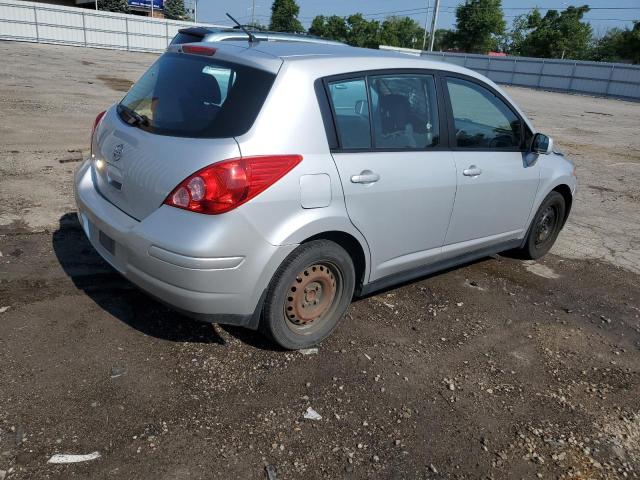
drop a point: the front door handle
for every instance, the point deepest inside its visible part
(472, 171)
(365, 176)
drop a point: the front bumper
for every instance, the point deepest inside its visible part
(214, 268)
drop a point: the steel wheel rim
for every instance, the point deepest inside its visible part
(312, 297)
(546, 225)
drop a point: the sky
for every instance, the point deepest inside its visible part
(605, 14)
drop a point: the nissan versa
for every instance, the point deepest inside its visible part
(267, 184)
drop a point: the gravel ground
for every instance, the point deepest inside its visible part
(500, 369)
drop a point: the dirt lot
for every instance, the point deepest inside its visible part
(500, 369)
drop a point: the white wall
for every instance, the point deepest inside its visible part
(46, 23)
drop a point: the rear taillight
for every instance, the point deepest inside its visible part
(226, 185)
(95, 125)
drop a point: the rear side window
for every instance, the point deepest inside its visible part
(351, 109)
(398, 112)
(481, 119)
(193, 96)
(404, 111)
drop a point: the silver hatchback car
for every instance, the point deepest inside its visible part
(265, 185)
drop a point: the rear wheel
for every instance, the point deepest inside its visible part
(308, 294)
(545, 227)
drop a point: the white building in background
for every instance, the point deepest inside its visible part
(137, 7)
(190, 7)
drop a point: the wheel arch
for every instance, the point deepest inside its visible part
(353, 247)
(564, 190)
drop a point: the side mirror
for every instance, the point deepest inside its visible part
(542, 144)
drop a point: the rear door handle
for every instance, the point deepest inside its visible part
(472, 171)
(365, 176)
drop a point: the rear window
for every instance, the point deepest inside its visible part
(184, 95)
(185, 37)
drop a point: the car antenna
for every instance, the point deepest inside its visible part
(252, 37)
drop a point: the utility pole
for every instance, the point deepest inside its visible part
(253, 13)
(433, 24)
(151, 8)
(426, 21)
(195, 10)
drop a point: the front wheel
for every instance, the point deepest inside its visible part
(308, 295)
(545, 227)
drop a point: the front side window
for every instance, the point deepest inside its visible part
(351, 107)
(481, 119)
(404, 111)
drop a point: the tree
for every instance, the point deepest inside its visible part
(445, 39)
(609, 47)
(515, 38)
(631, 44)
(557, 34)
(401, 32)
(619, 45)
(479, 25)
(362, 32)
(332, 28)
(120, 6)
(174, 9)
(284, 17)
(354, 30)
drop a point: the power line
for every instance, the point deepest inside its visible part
(420, 11)
(410, 12)
(453, 8)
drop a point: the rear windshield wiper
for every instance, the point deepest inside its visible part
(134, 118)
(252, 37)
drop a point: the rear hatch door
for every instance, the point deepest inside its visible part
(181, 116)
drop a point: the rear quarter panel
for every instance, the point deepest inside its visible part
(291, 123)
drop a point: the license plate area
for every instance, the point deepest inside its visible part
(107, 242)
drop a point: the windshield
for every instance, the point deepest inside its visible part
(185, 95)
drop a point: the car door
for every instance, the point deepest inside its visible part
(497, 182)
(397, 176)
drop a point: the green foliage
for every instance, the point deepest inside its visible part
(332, 28)
(619, 45)
(609, 47)
(445, 39)
(518, 33)
(174, 9)
(481, 28)
(362, 32)
(284, 17)
(557, 34)
(631, 46)
(401, 32)
(120, 6)
(480, 23)
(354, 30)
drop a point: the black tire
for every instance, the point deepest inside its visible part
(317, 276)
(545, 227)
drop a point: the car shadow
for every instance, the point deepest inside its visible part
(119, 297)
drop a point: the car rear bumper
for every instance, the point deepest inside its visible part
(208, 267)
